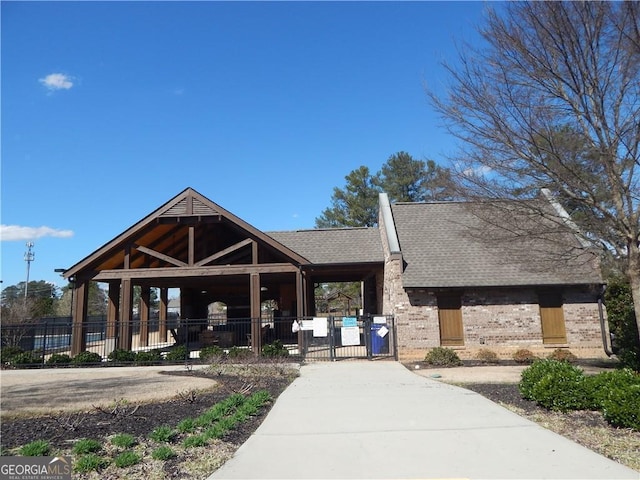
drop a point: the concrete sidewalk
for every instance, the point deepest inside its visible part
(377, 420)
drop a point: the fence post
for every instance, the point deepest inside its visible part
(332, 338)
(395, 337)
(366, 322)
(44, 342)
(186, 343)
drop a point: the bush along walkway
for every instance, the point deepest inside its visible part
(193, 448)
(561, 386)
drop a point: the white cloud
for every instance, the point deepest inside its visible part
(57, 81)
(16, 233)
(480, 171)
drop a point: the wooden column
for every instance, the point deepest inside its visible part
(126, 310)
(256, 324)
(301, 288)
(164, 309)
(300, 304)
(112, 317)
(192, 246)
(145, 300)
(80, 296)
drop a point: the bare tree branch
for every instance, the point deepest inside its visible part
(552, 100)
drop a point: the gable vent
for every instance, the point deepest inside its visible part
(200, 208)
(179, 209)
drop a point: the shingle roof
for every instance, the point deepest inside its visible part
(334, 246)
(439, 252)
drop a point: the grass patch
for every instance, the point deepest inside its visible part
(195, 441)
(127, 459)
(163, 434)
(123, 440)
(163, 453)
(37, 448)
(90, 463)
(86, 445)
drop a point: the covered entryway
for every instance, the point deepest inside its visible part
(195, 246)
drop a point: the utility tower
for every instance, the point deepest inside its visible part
(29, 256)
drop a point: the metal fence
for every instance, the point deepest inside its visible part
(338, 338)
(48, 340)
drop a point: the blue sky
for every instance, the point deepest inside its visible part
(109, 109)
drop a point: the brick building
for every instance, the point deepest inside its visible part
(429, 265)
(448, 286)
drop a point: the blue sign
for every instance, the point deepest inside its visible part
(349, 322)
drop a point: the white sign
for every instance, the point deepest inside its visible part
(320, 327)
(379, 319)
(350, 336)
(382, 331)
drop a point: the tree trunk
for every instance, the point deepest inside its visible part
(633, 274)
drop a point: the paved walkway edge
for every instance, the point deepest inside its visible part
(377, 420)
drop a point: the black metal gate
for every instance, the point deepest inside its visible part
(339, 338)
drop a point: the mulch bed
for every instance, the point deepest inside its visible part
(61, 429)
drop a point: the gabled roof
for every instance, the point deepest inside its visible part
(164, 230)
(441, 249)
(334, 246)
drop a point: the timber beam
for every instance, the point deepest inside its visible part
(185, 272)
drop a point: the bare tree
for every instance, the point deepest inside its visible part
(17, 321)
(552, 100)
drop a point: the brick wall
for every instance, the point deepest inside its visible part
(501, 320)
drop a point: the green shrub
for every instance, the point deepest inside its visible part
(163, 453)
(487, 356)
(443, 357)
(37, 448)
(120, 355)
(562, 355)
(237, 352)
(599, 386)
(622, 407)
(178, 354)
(164, 434)
(562, 389)
(275, 349)
(26, 358)
(85, 358)
(126, 459)
(86, 445)
(211, 352)
(8, 352)
(90, 463)
(151, 357)
(630, 359)
(59, 359)
(123, 440)
(622, 322)
(534, 373)
(524, 356)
